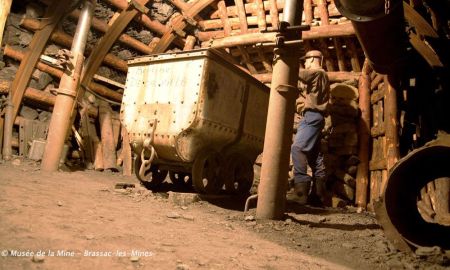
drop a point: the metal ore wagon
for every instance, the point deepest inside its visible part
(195, 116)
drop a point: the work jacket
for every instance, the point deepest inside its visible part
(314, 89)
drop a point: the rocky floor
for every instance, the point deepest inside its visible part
(80, 220)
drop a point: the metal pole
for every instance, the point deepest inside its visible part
(65, 100)
(278, 137)
(8, 128)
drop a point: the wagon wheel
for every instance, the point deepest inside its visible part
(239, 175)
(181, 179)
(152, 178)
(206, 172)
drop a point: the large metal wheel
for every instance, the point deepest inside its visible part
(153, 177)
(422, 174)
(206, 172)
(238, 174)
(180, 179)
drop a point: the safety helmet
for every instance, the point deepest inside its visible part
(313, 53)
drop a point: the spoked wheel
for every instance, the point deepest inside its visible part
(152, 178)
(238, 175)
(181, 179)
(206, 172)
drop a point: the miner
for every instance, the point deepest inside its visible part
(312, 106)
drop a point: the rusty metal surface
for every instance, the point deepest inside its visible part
(104, 45)
(195, 110)
(60, 123)
(399, 213)
(278, 136)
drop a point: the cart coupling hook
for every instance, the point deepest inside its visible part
(146, 163)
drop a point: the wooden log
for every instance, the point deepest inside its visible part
(54, 14)
(86, 143)
(179, 23)
(66, 40)
(224, 17)
(336, 76)
(261, 14)
(308, 10)
(377, 165)
(97, 88)
(377, 131)
(339, 54)
(391, 122)
(190, 43)
(323, 12)
(153, 43)
(103, 27)
(326, 31)
(247, 60)
(329, 63)
(5, 7)
(107, 136)
(376, 81)
(377, 96)
(116, 127)
(273, 14)
(352, 51)
(362, 174)
(99, 165)
(126, 153)
(442, 193)
(241, 15)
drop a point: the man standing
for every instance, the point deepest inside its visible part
(306, 147)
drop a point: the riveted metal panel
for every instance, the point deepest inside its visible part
(197, 100)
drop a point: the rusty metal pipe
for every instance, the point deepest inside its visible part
(278, 136)
(67, 92)
(380, 28)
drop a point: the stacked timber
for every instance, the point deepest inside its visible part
(340, 143)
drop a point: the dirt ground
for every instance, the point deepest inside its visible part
(81, 221)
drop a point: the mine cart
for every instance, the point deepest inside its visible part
(196, 116)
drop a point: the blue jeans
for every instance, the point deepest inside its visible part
(306, 148)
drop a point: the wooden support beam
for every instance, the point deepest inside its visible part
(376, 81)
(107, 136)
(5, 7)
(190, 43)
(353, 54)
(323, 12)
(241, 14)
(261, 14)
(273, 14)
(329, 63)
(179, 23)
(64, 39)
(362, 174)
(38, 96)
(224, 17)
(336, 76)
(216, 38)
(391, 121)
(308, 10)
(97, 88)
(377, 96)
(53, 14)
(339, 54)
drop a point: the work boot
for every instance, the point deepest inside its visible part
(301, 191)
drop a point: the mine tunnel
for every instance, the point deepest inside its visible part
(317, 132)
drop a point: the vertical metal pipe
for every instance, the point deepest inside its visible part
(278, 136)
(8, 129)
(65, 100)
